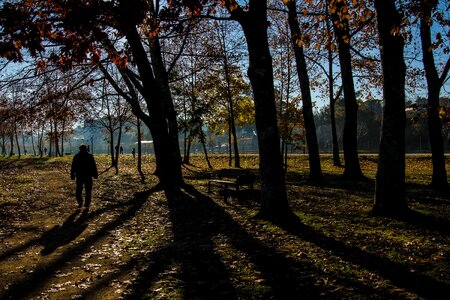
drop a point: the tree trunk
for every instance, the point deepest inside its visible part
(139, 139)
(274, 202)
(50, 142)
(17, 139)
(62, 137)
(170, 145)
(336, 158)
(23, 142)
(232, 125)
(283, 133)
(11, 141)
(111, 144)
(3, 146)
(32, 143)
(439, 177)
(230, 151)
(237, 159)
(119, 139)
(390, 178)
(56, 140)
(341, 28)
(315, 172)
(41, 142)
(185, 141)
(187, 155)
(334, 137)
(205, 151)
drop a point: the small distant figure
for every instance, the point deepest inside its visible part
(117, 148)
(133, 151)
(83, 169)
(121, 150)
(45, 151)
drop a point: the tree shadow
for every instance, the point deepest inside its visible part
(64, 234)
(400, 275)
(331, 180)
(25, 287)
(105, 170)
(10, 163)
(423, 193)
(423, 221)
(204, 219)
(197, 222)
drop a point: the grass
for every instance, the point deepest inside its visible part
(135, 242)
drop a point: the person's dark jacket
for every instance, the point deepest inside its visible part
(83, 166)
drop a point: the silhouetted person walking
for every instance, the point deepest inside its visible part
(83, 169)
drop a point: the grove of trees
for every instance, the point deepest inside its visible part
(186, 66)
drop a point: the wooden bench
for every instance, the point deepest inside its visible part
(231, 180)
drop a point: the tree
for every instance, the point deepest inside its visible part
(390, 178)
(435, 83)
(315, 172)
(85, 30)
(285, 77)
(228, 73)
(253, 21)
(111, 114)
(340, 16)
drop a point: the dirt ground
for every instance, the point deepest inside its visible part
(136, 242)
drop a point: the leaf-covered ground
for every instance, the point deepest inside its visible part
(136, 242)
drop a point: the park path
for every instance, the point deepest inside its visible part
(52, 250)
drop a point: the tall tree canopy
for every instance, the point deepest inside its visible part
(124, 33)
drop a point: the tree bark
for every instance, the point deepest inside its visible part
(162, 81)
(315, 171)
(390, 178)
(230, 149)
(341, 28)
(62, 136)
(32, 143)
(187, 152)
(23, 142)
(50, 142)
(3, 146)
(439, 177)
(56, 140)
(336, 157)
(11, 144)
(160, 119)
(139, 139)
(274, 202)
(111, 141)
(17, 139)
(119, 139)
(205, 151)
(334, 137)
(41, 141)
(232, 125)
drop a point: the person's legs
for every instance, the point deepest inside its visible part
(88, 187)
(79, 191)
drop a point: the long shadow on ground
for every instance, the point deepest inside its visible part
(24, 288)
(64, 234)
(400, 275)
(197, 220)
